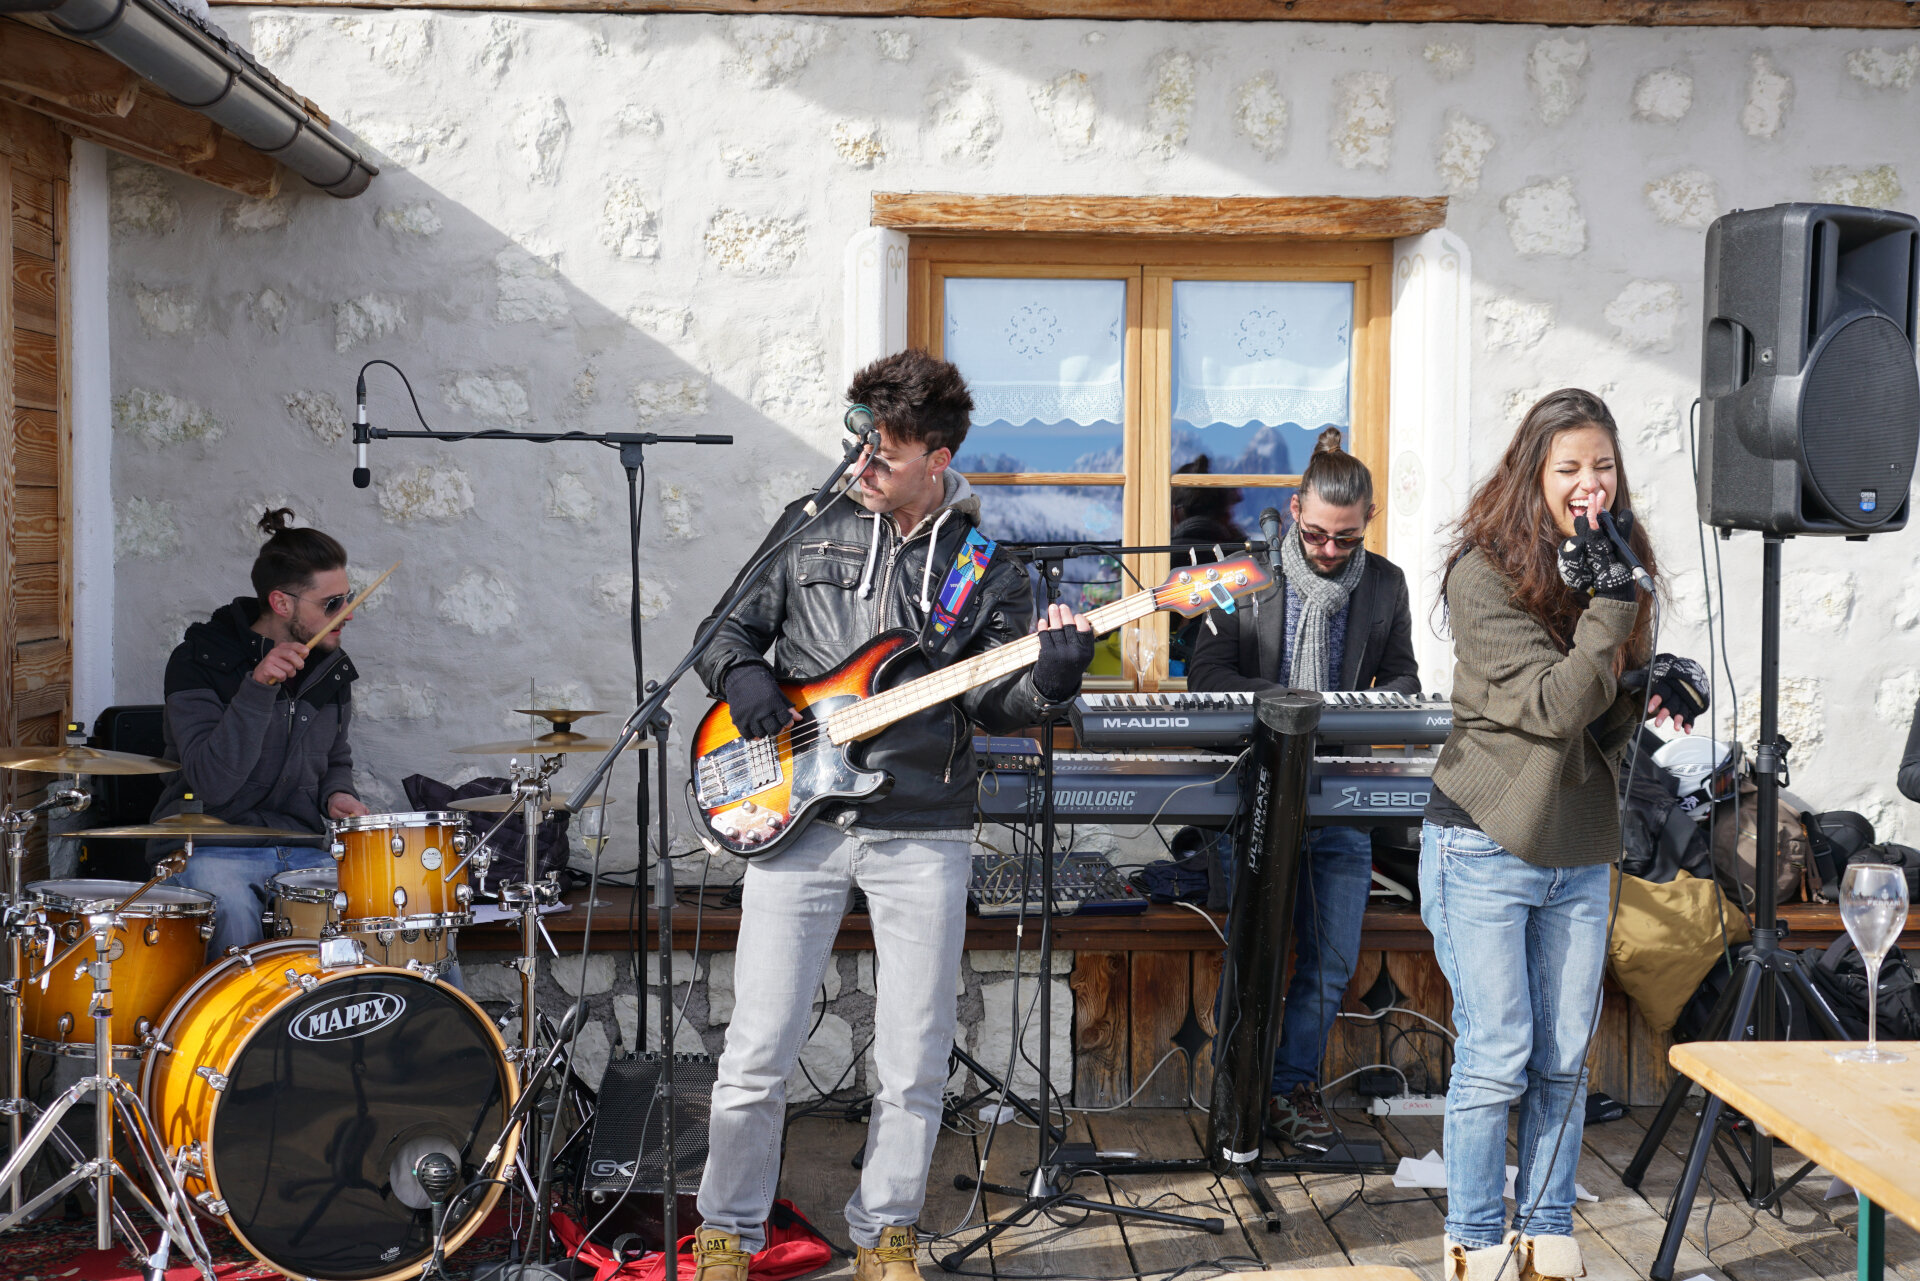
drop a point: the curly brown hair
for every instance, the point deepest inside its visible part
(1508, 522)
(916, 397)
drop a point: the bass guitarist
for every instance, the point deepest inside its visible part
(901, 549)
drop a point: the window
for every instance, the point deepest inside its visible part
(1138, 392)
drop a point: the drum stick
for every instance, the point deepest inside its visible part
(348, 608)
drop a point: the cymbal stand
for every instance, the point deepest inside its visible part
(68, 795)
(111, 1095)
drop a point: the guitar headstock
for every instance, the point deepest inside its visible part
(1194, 589)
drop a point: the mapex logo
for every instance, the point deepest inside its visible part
(1145, 722)
(344, 1017)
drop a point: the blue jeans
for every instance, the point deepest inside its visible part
(790, 910)
(1335, 877)
(236, 876)
(1522, 948)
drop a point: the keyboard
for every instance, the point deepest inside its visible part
(1225, 721)
(1083, 884)
(1196, 787)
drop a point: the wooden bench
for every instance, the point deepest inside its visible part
(1137, 980)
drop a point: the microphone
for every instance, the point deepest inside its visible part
(1640, 574)
(1270, 530)
(361, 476)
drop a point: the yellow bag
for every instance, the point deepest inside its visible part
(1666, 938)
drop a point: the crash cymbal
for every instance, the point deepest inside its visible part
(561, 716)
(545, 745)
(81, 760)
(505, 801)
(198, 826)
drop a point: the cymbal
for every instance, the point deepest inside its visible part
(545, 745)
(81, 760)
(501, 803)
(197, 826)
(561, 716)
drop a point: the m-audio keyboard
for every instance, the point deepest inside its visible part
(1225, 721)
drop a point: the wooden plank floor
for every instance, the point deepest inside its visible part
(1334, 1220)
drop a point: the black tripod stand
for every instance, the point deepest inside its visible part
(1747, 1008)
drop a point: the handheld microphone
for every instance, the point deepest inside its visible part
(1640, 574)
(1270, 530)
(361, 476)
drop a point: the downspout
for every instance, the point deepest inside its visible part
(202, 73)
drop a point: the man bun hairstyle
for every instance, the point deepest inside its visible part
(916, 396)
(291, 556)
(1334, 476)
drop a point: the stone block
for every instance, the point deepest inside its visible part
(1170, 103)
(1689, 198)
(591, 1050)
(1556, 72)
(626, 1013)
(992, 961)
(1769, 94)
(1461, 152)
(1663, 95)
(720, 988)
(487, 979)
(1260, 114)
(599, 973)
(1545, 218)
(1363, 120)
(479, 603)
(1645, 314)
(992, 1038)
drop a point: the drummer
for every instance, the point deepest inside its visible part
(259, 725)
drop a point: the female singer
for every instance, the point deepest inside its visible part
(1524, 820)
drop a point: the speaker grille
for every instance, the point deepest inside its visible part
(1860, 421)
(625, 1150)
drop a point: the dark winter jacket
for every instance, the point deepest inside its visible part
(1246, 653)
(809, 610)
(262, 755)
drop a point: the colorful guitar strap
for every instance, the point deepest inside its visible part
(969, 567)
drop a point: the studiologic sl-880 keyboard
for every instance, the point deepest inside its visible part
(1225, 721)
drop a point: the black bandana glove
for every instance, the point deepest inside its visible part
(758, 707)
(1682, 686)
(1589, 563)
(1064, 655)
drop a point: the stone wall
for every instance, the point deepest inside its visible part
(620, 222)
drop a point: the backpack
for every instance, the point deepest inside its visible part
(1734, 847)
(509, 843)
(1840, 975)
(1658, 839)
(1834, 839)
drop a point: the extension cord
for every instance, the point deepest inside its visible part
(1410, 1105)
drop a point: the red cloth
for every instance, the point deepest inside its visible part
(790, 1251)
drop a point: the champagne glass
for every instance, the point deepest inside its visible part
(591, 825)
(1873, 905)
(1146, 647)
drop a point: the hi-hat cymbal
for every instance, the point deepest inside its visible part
(545, 745)
(504, 801)
(198, 826)
(81, 760)
(561, 716)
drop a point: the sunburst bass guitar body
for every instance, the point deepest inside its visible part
(755, 795)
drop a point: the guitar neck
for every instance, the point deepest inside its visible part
(871, 715)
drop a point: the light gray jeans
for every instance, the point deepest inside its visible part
(790, 911)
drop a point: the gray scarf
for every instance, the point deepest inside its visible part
(1320, 599)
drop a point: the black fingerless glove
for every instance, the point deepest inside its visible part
(1589, 563)
(1682, 686)
(1064, 655)
(759, 709)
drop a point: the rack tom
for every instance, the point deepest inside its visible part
(305, 904)
(398, 871)
(157, 947)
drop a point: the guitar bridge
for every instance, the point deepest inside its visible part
(739, 769)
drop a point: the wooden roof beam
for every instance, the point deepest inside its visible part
(1295, 217)
(65, 72)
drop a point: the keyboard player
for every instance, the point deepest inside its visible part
(1337, 619)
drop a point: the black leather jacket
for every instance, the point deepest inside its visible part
(809, 609)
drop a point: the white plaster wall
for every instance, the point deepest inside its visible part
(609, 221)
(88, 259)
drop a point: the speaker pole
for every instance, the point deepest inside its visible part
(1746, 1009)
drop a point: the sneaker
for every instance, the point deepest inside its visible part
(717, 1256)
(1487, 1263)
(894, 1259)
(1550, 1259)
(1300, 1118)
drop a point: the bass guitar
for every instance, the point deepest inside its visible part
(753, 795)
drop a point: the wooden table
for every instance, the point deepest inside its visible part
(1859, 1120)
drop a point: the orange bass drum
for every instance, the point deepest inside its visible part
(304, 1098)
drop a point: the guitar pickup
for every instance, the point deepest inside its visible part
(741, 768)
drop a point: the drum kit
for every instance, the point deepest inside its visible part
(326, 1093)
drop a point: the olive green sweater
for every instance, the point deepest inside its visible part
(1538, 735)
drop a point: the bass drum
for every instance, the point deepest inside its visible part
(305, 1097)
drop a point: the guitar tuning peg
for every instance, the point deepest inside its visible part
(1208, 619)
(1193, 556)
(1217, 553)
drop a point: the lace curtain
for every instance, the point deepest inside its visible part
(1271, 352)
(1039, 349)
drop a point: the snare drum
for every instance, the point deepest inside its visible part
(397, 871)
(304, 904)
(303, 1099)
(160, 944)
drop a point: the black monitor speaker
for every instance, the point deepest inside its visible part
(1810, 397)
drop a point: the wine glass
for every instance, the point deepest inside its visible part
(1873, 905)
(1146, 648)
(590, 824)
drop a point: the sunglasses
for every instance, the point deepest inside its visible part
(1320, 538)
(330, 606)
(881, 467)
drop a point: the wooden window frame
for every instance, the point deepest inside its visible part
(1151, 265)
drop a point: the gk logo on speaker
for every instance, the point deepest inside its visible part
(606, 1169)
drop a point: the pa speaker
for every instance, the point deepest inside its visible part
(625, 1169)
(1810, 398)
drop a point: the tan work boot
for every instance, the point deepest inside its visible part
(1484, 1264)
(717, 1256)
(1550, 1259)
(894, 1259)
